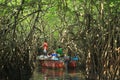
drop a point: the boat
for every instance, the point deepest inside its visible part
(57, 64)
(54, 64)
(72, 64)
(46, 62)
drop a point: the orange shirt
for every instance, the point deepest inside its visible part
(45, 45)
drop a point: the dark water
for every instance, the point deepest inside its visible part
(50, 74)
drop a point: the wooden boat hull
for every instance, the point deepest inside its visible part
(52, 64)
(72, 64)
(57, 64)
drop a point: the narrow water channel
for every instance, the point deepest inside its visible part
(50, 74)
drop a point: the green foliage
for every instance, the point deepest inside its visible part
(89, 26)
(53, 12)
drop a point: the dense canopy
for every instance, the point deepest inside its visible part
(90, 28)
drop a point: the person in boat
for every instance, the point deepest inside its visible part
(54, 55)
(45, 47)
(66, 58)
(59, 51)
(75, 57)
(70, 51)
(66, 61)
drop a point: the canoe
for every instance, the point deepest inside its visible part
(52, 64)
(72, 64)
(48, 62)
(57, 64)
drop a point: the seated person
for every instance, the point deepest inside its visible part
(54, 56)
(75, 57)
(60, 51)
(66, 57)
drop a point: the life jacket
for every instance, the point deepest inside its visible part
(45, 45)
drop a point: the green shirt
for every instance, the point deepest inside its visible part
(59, 51)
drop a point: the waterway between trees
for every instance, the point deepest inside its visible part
(50, 74)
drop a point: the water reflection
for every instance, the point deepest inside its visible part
(50, 74)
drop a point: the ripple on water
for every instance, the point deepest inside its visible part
(49, 74)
